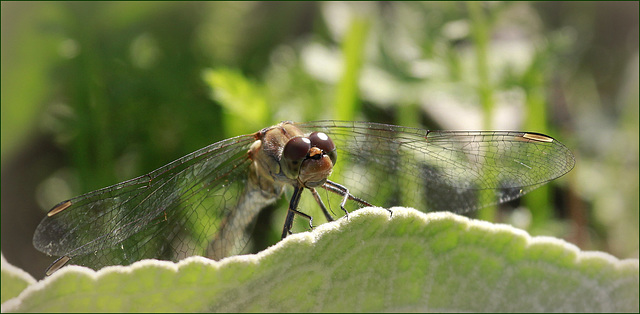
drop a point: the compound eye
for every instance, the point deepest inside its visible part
(322, 141)
(297, 148)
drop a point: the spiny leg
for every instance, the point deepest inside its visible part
(341, 190)
(344, 192)
(321, 204)
(293, 204)
(288, 223)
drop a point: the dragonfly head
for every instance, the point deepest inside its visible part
(309, 159)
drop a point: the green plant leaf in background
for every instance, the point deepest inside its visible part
(245, 106)
(409, 261)
(24, 68)
(14, 280)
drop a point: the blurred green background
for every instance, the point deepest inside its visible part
(99, 92)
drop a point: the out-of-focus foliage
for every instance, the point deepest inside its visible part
(97, 93)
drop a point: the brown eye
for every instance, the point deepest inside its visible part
(324, 142)
(297, 148)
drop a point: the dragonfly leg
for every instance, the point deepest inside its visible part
(321, 204)
(293, 205)
(288, 223)
(303, 215)
(344, 192)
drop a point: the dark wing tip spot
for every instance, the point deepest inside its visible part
(57, 265)
(537, 137)
(58, 208)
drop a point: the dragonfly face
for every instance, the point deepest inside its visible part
(285, 153)
(206, 202)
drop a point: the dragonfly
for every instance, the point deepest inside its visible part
(206, 202)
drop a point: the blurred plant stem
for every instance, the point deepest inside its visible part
(535, 121)
(347, 103)
(90, 101)
(353, 48)
(480, 33)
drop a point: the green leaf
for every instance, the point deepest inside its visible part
(243, 100)
(14, 280)
(409, 261)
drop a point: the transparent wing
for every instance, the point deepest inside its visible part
(170, 213)
(454, 171)
(203, 203)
